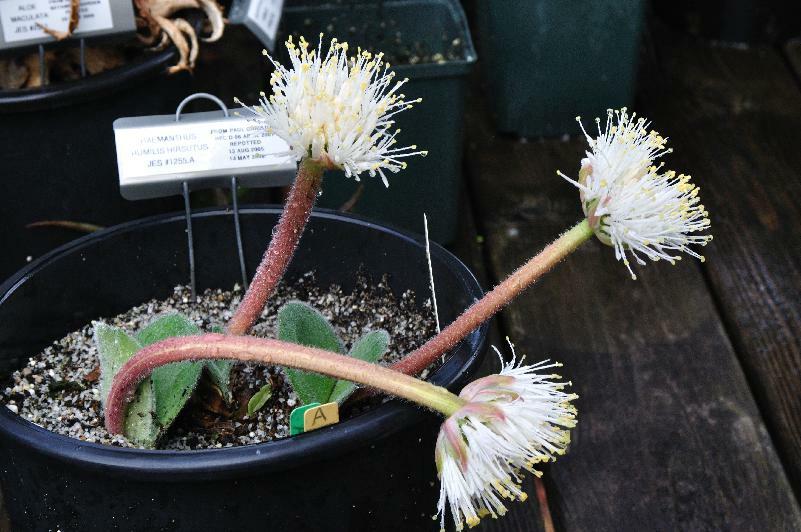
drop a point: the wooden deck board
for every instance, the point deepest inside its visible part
(470, 249)
(669, 435)
(734, 116)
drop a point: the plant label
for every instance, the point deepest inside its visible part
(297, 420)
(22, 21)
(156, 154)
(259, 16)
(320, 416)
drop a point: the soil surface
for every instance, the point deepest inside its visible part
(59, 389)
(371, 27)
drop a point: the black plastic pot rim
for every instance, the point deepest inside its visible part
(91, 87)
(170, 465)
(79, 90)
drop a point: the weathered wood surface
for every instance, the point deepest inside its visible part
(5, 526)
(469, 247)
(734, 117)
(669, 435)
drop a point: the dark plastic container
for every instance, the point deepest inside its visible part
(59, 160)
(429, 184)
(372, 472)
(553, 60)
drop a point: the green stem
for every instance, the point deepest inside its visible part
(267, 351)
(495, 300)
(282, 246)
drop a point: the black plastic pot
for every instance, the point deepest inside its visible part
(59, 161)
(431, 184)
(372, 472)
(553, 60)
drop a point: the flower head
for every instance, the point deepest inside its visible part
(337, 109)
(630, 201)
(512, 421)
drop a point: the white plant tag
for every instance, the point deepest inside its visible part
(259, 16)
(156, 154)
(20, 20)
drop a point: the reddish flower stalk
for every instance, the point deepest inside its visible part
(282, 246)
(267, 351)
(545, 510)
(483, 309)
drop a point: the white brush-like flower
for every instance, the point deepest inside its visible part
(337, 109)
(512, 421)
(633, 204)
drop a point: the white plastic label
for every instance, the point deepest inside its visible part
(259, 16)
(156, 154)
(267, 14)
(20, 20)
(20, 17)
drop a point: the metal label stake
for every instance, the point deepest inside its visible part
(190, 242)
(239, 247)
(175, 154)
(43, 66)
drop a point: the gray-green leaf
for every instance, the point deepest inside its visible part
(259, 399)
(369, 348)
(301, 324)
(141, 425)
(220, 372)
(166, 326)
(115, 347)
(173, 384)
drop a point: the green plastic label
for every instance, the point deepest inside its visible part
(296, 418)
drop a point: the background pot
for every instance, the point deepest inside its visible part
(429, 184)
(59, 162)
(553, 60)
(375, 471)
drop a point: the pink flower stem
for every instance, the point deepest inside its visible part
(282, 246)
(267, 351)
(545, 510)
(492, 302)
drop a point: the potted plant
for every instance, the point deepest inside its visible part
(429, 42)
(335, 111)
(42, 107)
(554, 60)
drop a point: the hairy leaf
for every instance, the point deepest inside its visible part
(141, 423)
(220, 372)
(173, 384)
(369, 348)
(301, 324)
(115, 347)
(166, 326)
(259, 399)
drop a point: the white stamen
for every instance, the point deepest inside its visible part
(633, 204)
(337, 109)
(512, 421)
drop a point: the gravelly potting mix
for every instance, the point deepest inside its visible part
(59, 389)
